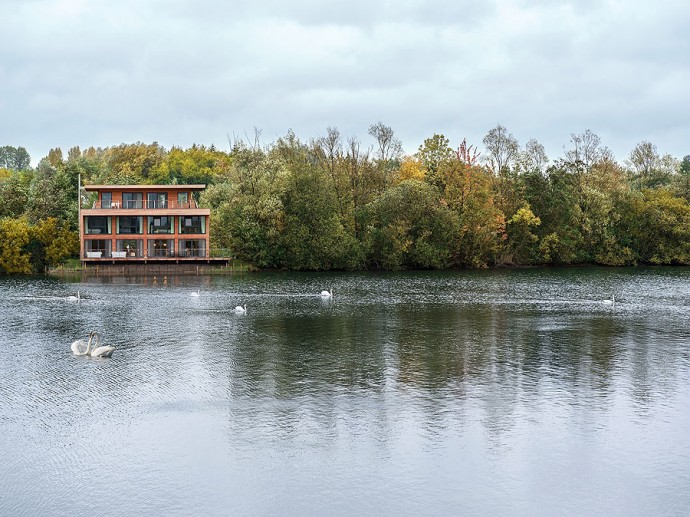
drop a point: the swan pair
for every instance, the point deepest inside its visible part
(80, 347)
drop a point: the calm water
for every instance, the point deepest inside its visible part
(492, 393)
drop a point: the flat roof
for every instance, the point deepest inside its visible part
(93, 188)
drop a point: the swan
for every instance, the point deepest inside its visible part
(195, 294)
(327, 294)
(100, 350)
(81, 347)
(75, 298)
(240, 309)
(612, 301)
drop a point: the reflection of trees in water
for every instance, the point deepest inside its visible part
(428, 367)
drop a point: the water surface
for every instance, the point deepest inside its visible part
(495, 392)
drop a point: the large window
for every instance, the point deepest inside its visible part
(97, 248)
(157, 200)
(127, 224)
(131, 247)
(132, 200)
(93, 225)
(161, 248)
(192, 224)
(192, 248)
(160, 224)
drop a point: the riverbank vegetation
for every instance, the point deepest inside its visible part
(338, 203)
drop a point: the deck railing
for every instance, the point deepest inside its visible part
(144, 205)
(139, 254)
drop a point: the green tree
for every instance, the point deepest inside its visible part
(14, 194)
(432, 153)
(681, 183)
(521, 241)
(409, 228)
(662, 233)
(14, 158)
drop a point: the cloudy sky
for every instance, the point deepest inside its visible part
(96, 72)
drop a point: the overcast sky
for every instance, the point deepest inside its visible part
(102, 73)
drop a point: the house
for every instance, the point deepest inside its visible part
(144, 223)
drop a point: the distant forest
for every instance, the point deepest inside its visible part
(335, 203)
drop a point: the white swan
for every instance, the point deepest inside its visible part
(612, 301)
(327, 294)
(81, 347)
(195, 294)
(74, 298)
(100, 350)
(240, 309)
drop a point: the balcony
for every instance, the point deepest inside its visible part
(145, 205)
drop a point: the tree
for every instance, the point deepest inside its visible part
(411, 168)
(682, 179)
(587, 150)
(521, 241)
(409, 228)
(502, 150)
(14, 158)
(388, 147)
(662, 230)
(432, 153)
(51, 243)
(649, 170)
(14, 195)
(532, 158)
(14, 237)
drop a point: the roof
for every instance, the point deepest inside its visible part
(138, 188)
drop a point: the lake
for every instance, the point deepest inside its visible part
(511, 392)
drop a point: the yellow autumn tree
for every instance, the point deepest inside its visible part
(411, 168)
(14, 237)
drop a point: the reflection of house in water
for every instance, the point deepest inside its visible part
(144, 223)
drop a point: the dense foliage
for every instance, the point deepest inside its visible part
(332, 203)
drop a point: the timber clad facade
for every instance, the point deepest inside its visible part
(135, 223)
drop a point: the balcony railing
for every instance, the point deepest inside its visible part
(144, 205)
(124, 255)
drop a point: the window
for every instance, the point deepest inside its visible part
(192, 248)
(182, 200)
(106, 199)
(132, 200)
(97, 248)
(127, 224)
(132, 247)
(93, 225)
(161, 248)
(157, 200)
(160, 224)
(193, 224)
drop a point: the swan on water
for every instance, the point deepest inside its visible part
(98, 349)
(81, 347)
(327, 294)
(74, 298)
(195, 294)
(611, 301)
(240, 309)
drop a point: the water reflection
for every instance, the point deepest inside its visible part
(457, 383)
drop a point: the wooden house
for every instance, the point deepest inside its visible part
(144, 223)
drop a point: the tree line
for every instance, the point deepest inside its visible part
(336, 203)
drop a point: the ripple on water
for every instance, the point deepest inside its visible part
(425, 392)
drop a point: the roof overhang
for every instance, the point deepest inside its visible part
(138, 188)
